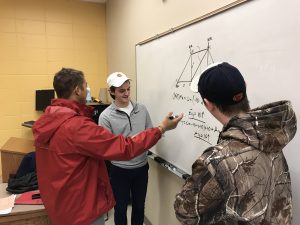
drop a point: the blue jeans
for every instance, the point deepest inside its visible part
(126, 183)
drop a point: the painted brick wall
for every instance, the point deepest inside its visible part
(37, 39)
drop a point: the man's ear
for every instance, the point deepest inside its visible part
(110, 92)
(209, 105)
(77, 91)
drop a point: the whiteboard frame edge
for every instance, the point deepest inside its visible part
(196, 20)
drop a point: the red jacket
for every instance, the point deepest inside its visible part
(70, 154)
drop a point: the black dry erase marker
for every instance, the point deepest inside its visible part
(185, 176)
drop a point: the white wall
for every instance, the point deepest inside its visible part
(130, 22)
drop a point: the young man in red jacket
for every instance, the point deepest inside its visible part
(70, 154)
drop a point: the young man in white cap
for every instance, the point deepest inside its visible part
(129, 179)
(243, 179)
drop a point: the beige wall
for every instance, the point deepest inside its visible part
(38, 38)
(130, 22)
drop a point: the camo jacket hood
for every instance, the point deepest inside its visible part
(244, 179)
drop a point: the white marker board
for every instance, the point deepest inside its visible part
(261, 38)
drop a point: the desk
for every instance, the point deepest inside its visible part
(12, 153)
(23, 214)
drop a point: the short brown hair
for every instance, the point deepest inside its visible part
(232, 110)
(112, 89)
(66, 80)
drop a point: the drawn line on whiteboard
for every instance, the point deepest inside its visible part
(199, 136)
(201, 121)
(190, 63)
(204, 140)
(204, 126)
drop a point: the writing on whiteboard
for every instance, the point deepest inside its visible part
(196, 116)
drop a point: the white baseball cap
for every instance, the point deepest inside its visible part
(116, 79)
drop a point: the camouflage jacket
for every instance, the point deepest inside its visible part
(244, 179)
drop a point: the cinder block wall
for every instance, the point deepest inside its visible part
(38, 38)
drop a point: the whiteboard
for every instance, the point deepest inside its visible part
(261, 38)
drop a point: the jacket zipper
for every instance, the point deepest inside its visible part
(122, 112)
(132, 111)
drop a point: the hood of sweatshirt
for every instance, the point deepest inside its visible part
(54, 116)
(268, 128)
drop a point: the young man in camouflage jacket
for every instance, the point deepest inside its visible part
(244, 179)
